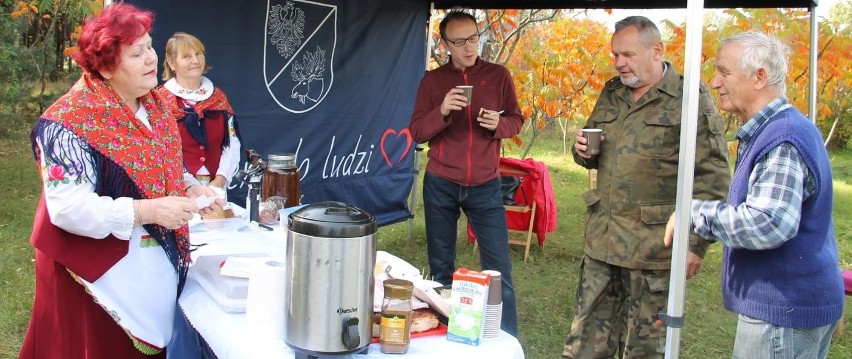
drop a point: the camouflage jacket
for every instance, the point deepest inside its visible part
(637, 171)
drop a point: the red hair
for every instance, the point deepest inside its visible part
(99, 47)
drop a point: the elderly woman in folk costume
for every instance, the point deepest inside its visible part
(110, 235)
(211, 146)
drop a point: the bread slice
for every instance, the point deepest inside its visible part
(222, 213)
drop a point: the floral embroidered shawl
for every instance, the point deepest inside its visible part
(127, 159)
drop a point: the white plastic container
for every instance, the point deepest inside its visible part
(228, 292)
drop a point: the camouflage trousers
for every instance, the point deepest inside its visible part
(616, 312)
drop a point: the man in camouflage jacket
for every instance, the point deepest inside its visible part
(624, 274)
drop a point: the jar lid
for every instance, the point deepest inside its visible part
(281, 160)
(332, 219)
(398, 288)
(282, 157)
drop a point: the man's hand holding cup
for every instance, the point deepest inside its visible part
(456, 99)
(588, 141)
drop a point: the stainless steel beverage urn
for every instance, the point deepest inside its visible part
(331, 252)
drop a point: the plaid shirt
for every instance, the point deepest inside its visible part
(778, 185)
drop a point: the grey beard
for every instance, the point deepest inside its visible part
(632, 83)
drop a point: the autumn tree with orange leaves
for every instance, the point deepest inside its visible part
(560, 69)
(45, 30)
(834, 73)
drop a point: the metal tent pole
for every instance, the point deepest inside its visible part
(673, 317)
(412, 196)
(812, 78)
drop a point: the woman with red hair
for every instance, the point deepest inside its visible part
(110, 234)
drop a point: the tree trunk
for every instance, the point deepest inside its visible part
(44, 60)
(831, 132)
(563, 127)
(59, 48)
(530, 144)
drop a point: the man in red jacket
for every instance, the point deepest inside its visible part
(464, 151)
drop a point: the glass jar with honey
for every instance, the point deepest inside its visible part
(281, 179)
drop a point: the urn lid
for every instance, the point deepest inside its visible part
(332, 219)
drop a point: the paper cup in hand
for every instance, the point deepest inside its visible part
(593, 140)
(468, 92)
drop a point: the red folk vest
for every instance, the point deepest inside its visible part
(196, 155)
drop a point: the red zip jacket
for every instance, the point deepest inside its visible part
(460, 150)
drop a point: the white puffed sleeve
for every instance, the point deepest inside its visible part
(72, 203)
(230, 161)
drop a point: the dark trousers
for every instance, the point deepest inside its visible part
(443, 202)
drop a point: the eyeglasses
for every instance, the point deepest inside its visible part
(460, 42)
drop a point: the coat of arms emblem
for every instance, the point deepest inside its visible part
(300, 38)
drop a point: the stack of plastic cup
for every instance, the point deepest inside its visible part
(494, 306)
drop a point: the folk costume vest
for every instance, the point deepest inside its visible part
(202, 118)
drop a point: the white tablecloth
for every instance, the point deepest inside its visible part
(230, 337)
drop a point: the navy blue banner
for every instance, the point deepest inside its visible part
(332, 81)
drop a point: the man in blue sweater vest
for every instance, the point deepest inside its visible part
(780, 268)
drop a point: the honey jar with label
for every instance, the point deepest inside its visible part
(280, 181)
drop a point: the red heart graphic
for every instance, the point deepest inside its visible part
(398, 135)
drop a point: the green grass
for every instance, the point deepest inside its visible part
(19, 196)
(545, 284)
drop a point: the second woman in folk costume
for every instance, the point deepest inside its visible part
(211, 146)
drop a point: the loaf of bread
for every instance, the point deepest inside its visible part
(423, 320)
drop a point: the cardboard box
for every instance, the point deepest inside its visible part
(467, 306)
